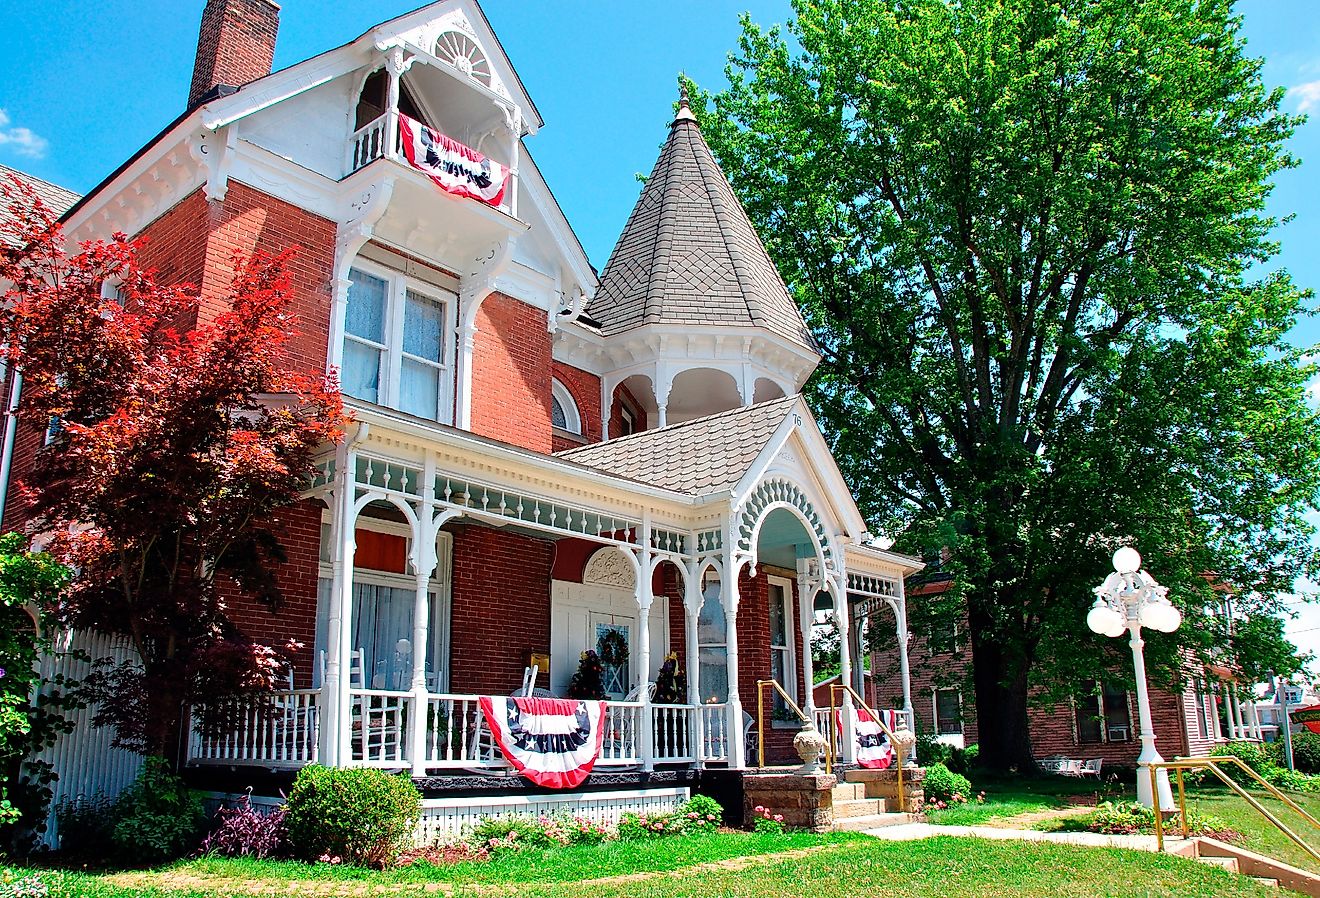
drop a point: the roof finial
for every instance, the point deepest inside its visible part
(684, 108)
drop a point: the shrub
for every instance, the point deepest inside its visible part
(633, 826)
(245, 831)
(1131, 818)
(701, 813)
(764, 821)
(158, 818)
(942, 784)
(14, 886)
(931, 751)
(357, 815)
(1260, 759)
(86, 825)
(1306, 751)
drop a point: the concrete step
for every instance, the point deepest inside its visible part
(1268, 882)
(1225, 863)
(848, 792)
(859, 807)
(870, 821)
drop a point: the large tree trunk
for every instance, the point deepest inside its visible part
(1000, 677)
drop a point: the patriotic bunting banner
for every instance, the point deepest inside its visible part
(872, 745)
(554, 742)
(452, 166)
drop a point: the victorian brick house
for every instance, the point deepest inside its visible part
(542, 461)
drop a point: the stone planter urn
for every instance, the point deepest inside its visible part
(809, 744)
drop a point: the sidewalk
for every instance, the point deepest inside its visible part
(908, 831)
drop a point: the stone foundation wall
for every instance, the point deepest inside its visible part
(805, 800)
(884, 784)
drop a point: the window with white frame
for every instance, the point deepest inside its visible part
(564, 413)
(397, 339)
(712, 645)
(948, 712)
(782, 668)
(1102, 714)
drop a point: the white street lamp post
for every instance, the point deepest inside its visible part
(1128, 600)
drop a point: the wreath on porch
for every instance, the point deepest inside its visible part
(613, 648)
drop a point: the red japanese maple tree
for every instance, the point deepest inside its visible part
(173, 442)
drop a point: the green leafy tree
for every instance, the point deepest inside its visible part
(1026, 235)
(29, 581)
(1260, 650)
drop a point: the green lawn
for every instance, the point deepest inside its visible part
(1007, 797)
(840, 867)
(1259, 834)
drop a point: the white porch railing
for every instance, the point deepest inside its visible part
(276, 730)
(714, 732)
(672, 729)
(281, 731)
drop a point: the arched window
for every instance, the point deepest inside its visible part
(463, 53)
(563, 410)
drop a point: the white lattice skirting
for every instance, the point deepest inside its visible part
(444, 819)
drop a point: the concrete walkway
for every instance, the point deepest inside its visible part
(907, 831)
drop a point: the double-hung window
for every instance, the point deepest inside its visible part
(1102, 713)
(397, 344)
(712, 645)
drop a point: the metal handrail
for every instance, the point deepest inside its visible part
(1178, 765)
(899, 752)
(760, 720)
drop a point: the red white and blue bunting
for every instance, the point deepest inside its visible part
(554, 742)
(453, 167)
(871, 745)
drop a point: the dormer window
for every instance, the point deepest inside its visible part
(564, 413)
(396, 333)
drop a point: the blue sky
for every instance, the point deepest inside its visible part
(84, 85)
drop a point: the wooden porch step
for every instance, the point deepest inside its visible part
(869, 821)
(859, 807)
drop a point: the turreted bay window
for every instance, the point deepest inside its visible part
(398, 344)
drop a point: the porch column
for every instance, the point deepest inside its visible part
(807, 586)
(737, 741)
(395, 66)
(336, 726)
(904, 671)
(692, 598)
(424, 561)
(837, 586)
(644, 597)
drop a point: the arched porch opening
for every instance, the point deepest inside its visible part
(697, 392)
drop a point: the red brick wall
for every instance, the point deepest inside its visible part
(585, 389)
(196, 240)
(299, 528)
(501, 608)
(511, 374)
(616, 416)
(928, 671)
(1054, 731)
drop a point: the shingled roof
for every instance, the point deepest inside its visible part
(700, 456)
(57, 198)
(689, 254)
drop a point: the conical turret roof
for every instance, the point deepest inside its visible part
(689, 254)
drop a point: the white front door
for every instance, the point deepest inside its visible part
(582, 614)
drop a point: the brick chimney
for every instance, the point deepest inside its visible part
(236, 45)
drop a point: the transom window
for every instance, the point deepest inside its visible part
(397, 344)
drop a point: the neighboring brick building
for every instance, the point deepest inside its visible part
(543, 461)
(1099, 722)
